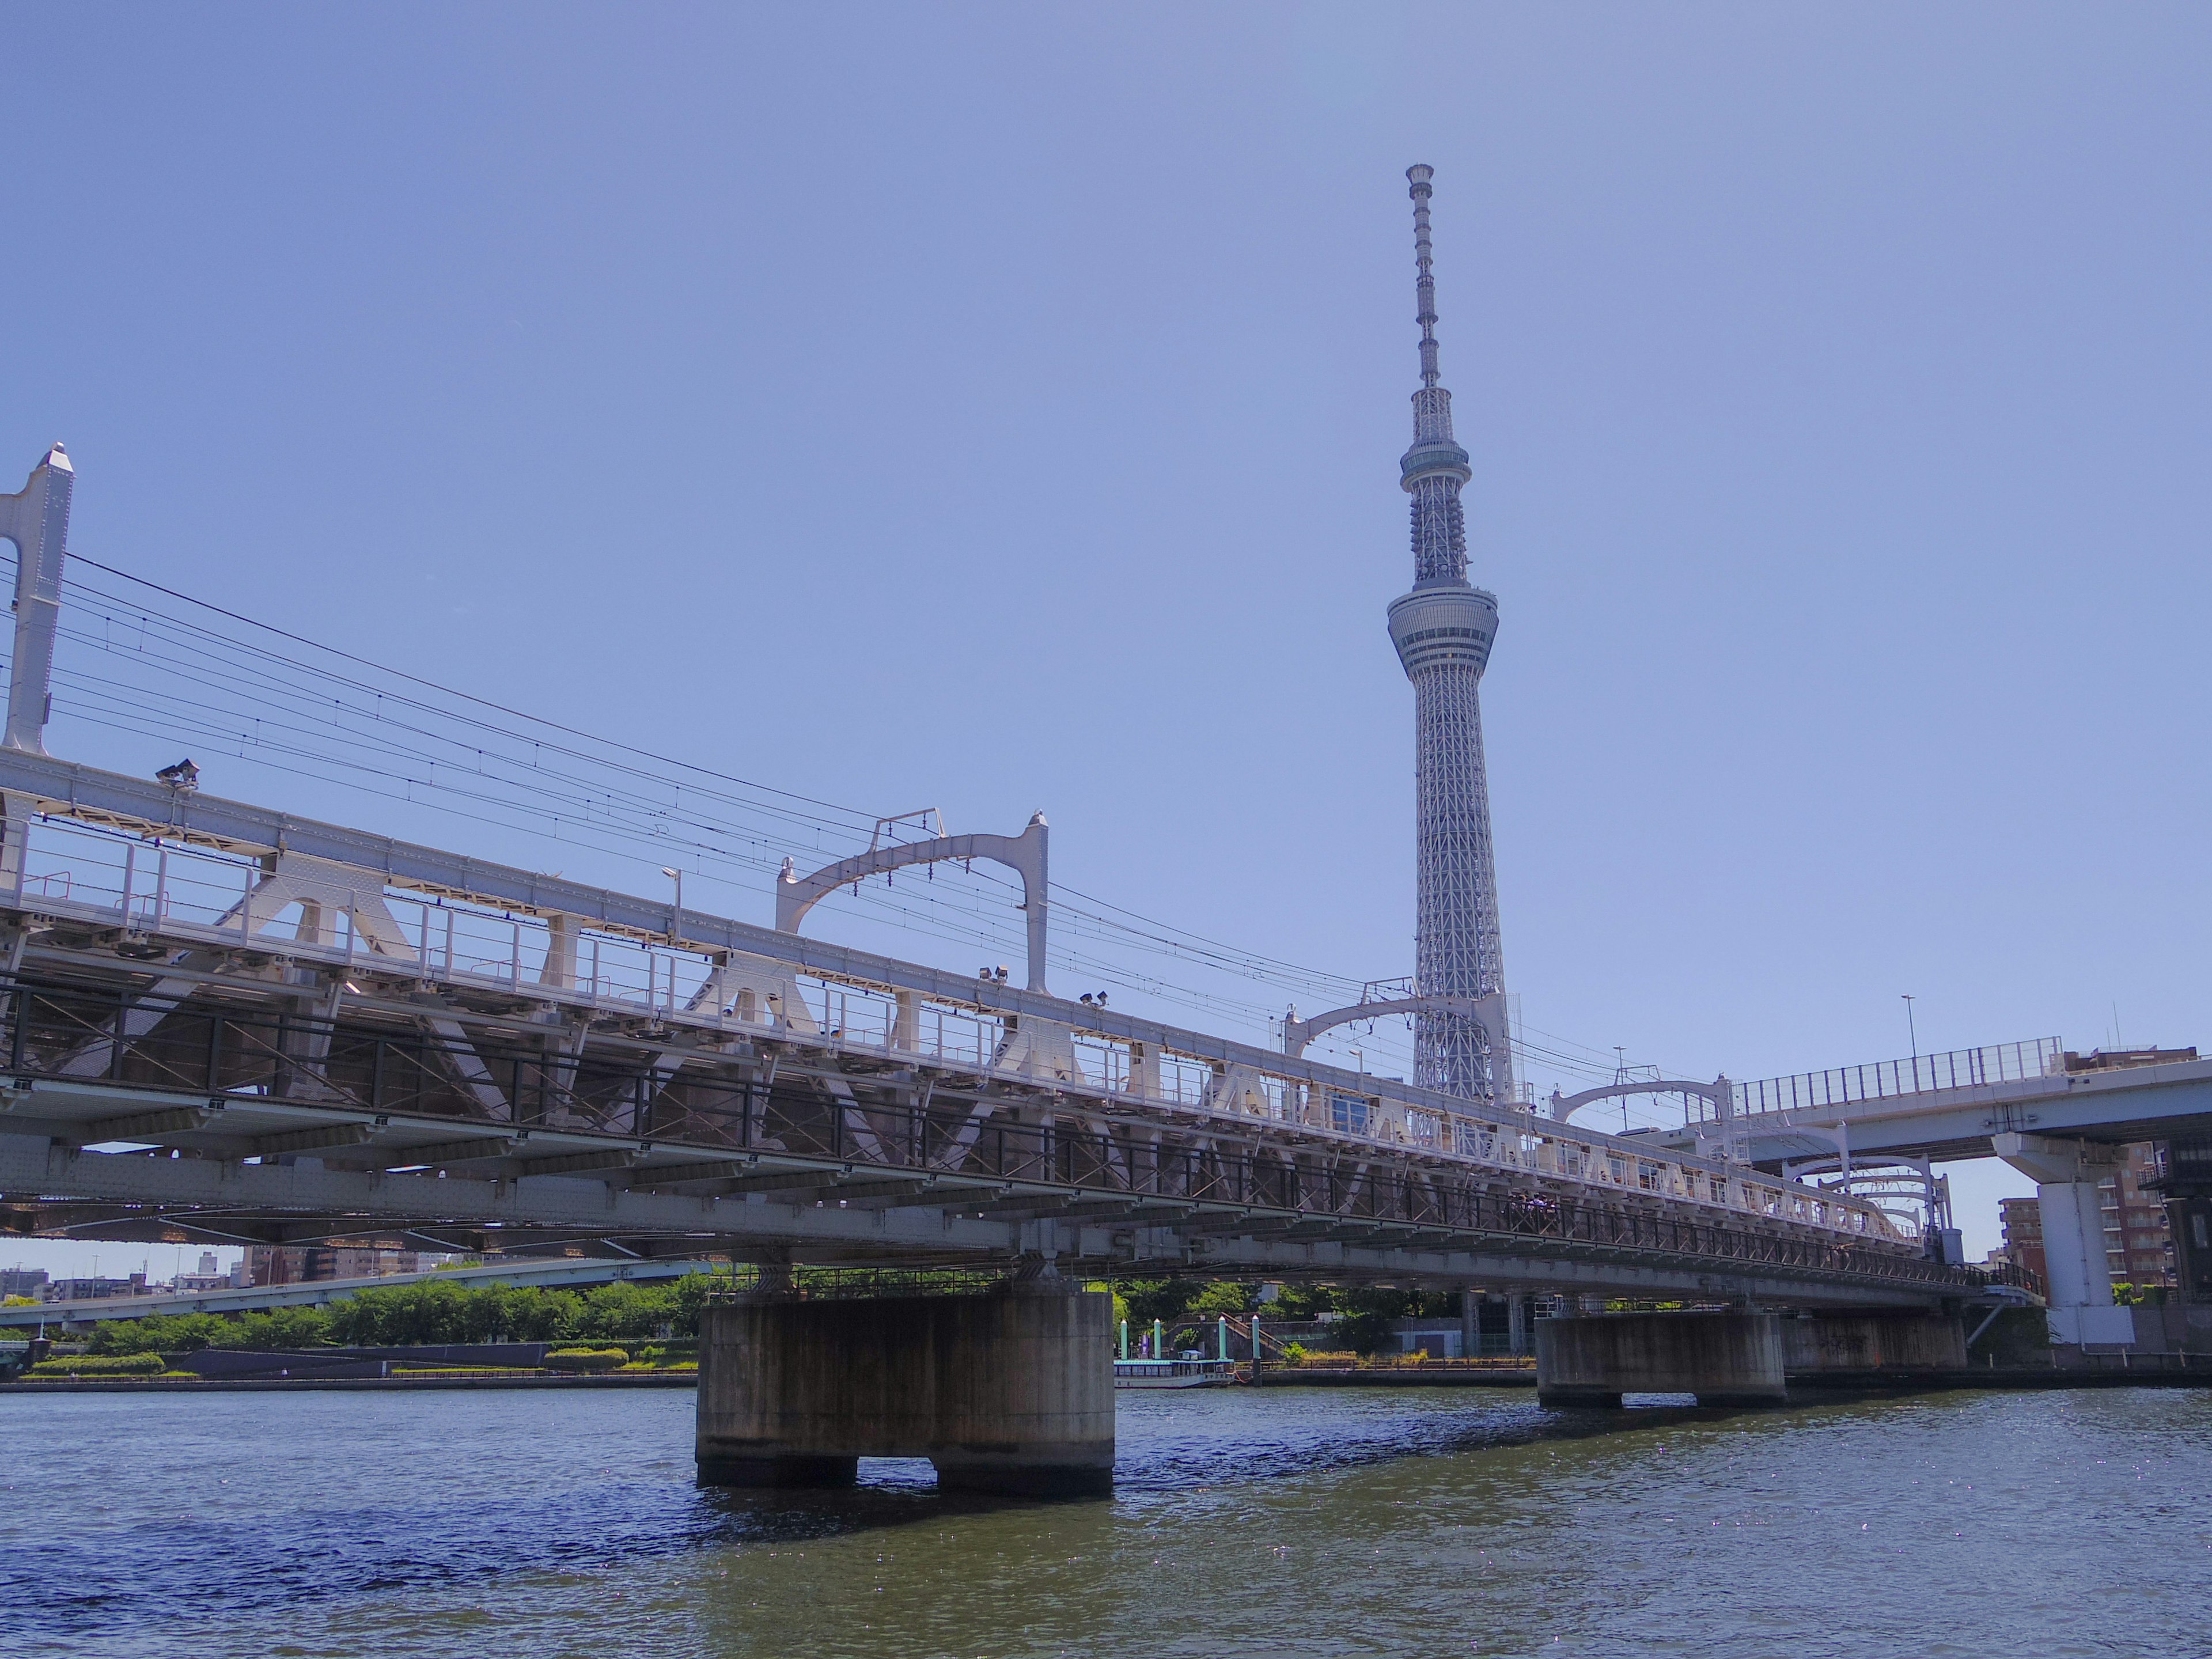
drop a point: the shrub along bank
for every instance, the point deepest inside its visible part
(430, 1312)
(434, 1311)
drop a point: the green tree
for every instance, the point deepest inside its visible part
(625, 1311)
(690, 1296)
(435, 1311)
(401, 1317)
(1302, 1301)
(1225, 1297)
(161, 1333)
(285, 1327)
(1368, 1310)
(536, 1314)
(1158, 1299)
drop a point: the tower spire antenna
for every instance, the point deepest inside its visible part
(1425, 285)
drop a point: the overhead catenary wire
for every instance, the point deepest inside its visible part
(297, 707)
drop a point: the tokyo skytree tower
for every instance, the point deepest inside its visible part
(1443, 630)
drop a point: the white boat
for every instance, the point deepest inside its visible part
(1173, 1373)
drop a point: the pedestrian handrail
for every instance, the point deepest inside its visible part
(1888, 1079)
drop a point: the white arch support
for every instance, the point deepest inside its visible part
(1486, 1012)
(1718, 1092)
(36, 519)
(1724, 1138)
(1026, 854)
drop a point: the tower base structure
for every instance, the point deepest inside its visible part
(1009, 1392)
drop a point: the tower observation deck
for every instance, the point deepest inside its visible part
(1443, 630)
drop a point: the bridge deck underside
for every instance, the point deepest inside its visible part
(262, 1115)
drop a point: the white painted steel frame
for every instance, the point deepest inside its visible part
(1404, 1119)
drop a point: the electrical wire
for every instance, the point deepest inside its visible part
(299, 708)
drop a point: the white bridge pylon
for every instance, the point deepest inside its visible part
(1488, 1012)
(1025, 854)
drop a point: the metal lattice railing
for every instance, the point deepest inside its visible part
(1888, 1079)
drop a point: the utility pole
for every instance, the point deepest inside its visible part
(1911, 1030)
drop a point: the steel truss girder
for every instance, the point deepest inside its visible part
(1043, 1171)
(358, 866)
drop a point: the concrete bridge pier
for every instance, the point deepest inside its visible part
(1723, 1358)
(1870, 1344)
(1008, 1392)
(2066, 1174)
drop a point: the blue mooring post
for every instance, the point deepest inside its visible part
(1160, 1340)
(1222, 1330)
(1125, 1338)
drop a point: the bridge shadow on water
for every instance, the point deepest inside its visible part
(1211, 1444)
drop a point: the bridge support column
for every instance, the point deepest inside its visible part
(1010, 1391)
(1723, 1358)
(2066, 1174)
(1892, 1340)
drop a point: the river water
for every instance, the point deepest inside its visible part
(1290, 1521)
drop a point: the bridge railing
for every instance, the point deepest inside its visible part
(1890, 1079)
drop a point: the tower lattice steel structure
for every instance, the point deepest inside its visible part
(1443, 630)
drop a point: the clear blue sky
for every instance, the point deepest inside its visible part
(997, 407)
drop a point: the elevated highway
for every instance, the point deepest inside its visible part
(1952, 1106)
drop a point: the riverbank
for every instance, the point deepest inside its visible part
(1809, 1385)
(345, 1384)
(1397, 1377)
(2040, 1379)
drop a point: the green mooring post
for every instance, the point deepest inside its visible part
(1125, 1338)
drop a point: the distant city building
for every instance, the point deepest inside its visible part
(2184, 1184)
(2022, 1221)
(308, 1264)
(2138, 1242)
(209, 1276)
(2139, 1232)
(23, 1281)
(2114, 1059)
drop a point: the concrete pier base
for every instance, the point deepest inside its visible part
(1723, 1358)
(1898, 1341)
(1010, 1391)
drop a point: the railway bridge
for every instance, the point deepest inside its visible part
(224, 1022)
